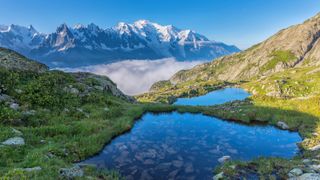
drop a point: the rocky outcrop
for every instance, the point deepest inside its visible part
(15, 141)
(14, 61)
(102, 83)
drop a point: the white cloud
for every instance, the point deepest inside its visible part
(136, 76)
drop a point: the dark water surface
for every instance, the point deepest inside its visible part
(188, 146)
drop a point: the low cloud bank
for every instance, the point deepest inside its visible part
(136, 76)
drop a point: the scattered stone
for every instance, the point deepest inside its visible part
(315, 167)
(5, 98)
(295, 172)
(29, 113)
(308, 176)
(71, 173)
(282, 125)
(50, 155)
(106, 109)
(74, 91)
(218, 176)
(42, 141)
(14, 106)
(224, 159)
(315, 148)
(306, 161)
(17, 132)
(16, 141)
(79, 109)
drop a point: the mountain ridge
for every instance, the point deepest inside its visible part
(297, 46)
(90, 44)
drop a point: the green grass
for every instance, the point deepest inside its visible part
(279, 56)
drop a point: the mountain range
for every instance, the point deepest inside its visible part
(296, 47)
(89, 44)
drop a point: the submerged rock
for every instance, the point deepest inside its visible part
(15, 141)
(224, 159)
(282, 125)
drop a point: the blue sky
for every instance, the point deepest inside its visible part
(239, 22)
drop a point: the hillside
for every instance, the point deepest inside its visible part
(51, 119)
(296, 46)
(88, 45)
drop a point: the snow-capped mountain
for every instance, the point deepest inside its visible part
(89, 44)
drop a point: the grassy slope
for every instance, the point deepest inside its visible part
(65, 127)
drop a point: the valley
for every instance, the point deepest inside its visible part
(99, 104)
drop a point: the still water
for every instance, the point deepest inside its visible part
(188, 146)
(215, 97)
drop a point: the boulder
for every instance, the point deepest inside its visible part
(15, 141)
(5, 98)
(308, 176)
(224, 159)
(74, 91)
(315, 148)
(14, 106)
(71, 173)
(295, 172)
(282, 125)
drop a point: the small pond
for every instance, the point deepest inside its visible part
(188, 146)
(215, 97)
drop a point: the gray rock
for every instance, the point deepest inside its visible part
(29, 113)
(218, 176)
(295, 172)
(306, 161)
(224, 159)
(308, 176)
(16, 141)
(315, 148)
(106, 109)
(282, 125)
(71, 173)
(315, 167)
(5, 98)
(74, 91)
(14, 106)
